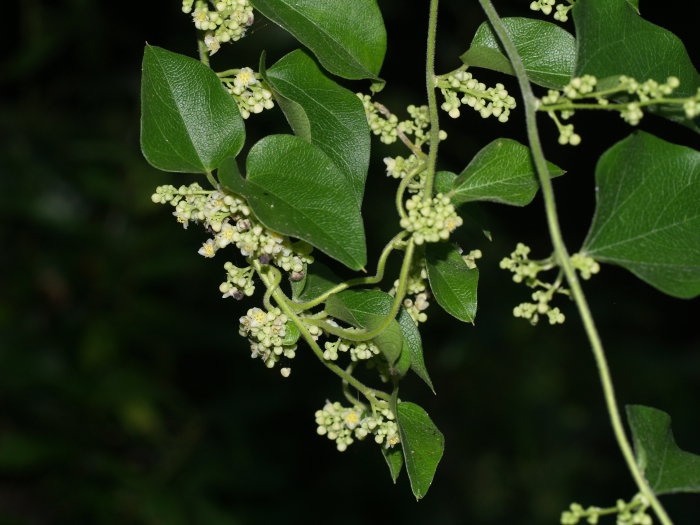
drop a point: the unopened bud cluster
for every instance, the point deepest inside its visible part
(359, 351)
(249, 92)
(221, 20)
(229, 218)
(643, 94)
(526, 270)
(239, 282)
(346, 424)
(400, 167)
(266, 330)
(471, 258)
(561, 11)
(432, 220)
(632, 513)
(417, 294)
(462, 88)
(586, 266)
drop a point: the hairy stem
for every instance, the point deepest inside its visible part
(432, 100)
(564, 261)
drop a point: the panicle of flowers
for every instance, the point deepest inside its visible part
(266, 332)
(632, 513)
(633, 96)
(432, 220)
(561, 11)
(239, 282)
(359, 351)
(460, 87)
(527, 271)
(221, 20)
(249, 91)
(417, 294)
(345, 424)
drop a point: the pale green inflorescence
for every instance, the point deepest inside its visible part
(359, 351)
(249, 92)
(346, 424)
(229, 218)
(561, 11)
(416, 300)
(432, 220)
(461, 87)
(632, 513)
(221, 20)
(642, 94)
(266, 330)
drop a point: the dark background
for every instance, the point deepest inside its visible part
(126, 394)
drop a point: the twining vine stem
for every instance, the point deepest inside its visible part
(432, 101)
(564, 261)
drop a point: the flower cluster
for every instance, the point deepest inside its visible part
(359, 351)
(526, 270)
(461, 87)
(266, 331)
(635, 96)
(586, 266)
(471, 258)
(417, 294)
(345, 424)
(229, 218)
(432, 220)
(249, 92)
(239, 282)
(632, 513)
(562, 10)
(226, 22)
(400, 167)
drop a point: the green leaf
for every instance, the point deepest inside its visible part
(444, 181)
(324, 113)
(548, 51)
(413, 346)
(291, 334)
(642, 50)
(295, 189)
(667, 468)
(394, 460)
(502, 171)
(423, 445)
(647, 217)
(453, 283)
(315, 283)
(348, 38)
(389, 341)
(189, 123)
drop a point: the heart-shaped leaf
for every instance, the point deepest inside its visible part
(348, 38)
(548, 51)
(502, 172)
(189, 123)
(453, 283)
(423, 445)
(667, 468)
(294, 188)
(323, 113)
(614, 40)
(647, 217)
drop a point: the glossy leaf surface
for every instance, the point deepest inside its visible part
(413, 346)
(423, 445)
(667, 468)
(647, 216)
(189, 123)
(452, 282)
(348, 38)
(503, 172)
(295, 189)
(548, 51)
(325, 114)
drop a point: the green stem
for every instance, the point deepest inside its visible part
(363, 335)
(432, 100)
(572, 106)
(212, 180)
(285, 305)
(202, 48)
(381, 264)
(402, 189)
(565, 262)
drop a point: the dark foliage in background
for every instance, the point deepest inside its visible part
(126, 394)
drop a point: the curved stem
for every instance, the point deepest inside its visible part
(381, 264)
(285, 305)
(565, 263)
(402, 189)
(432, 100)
